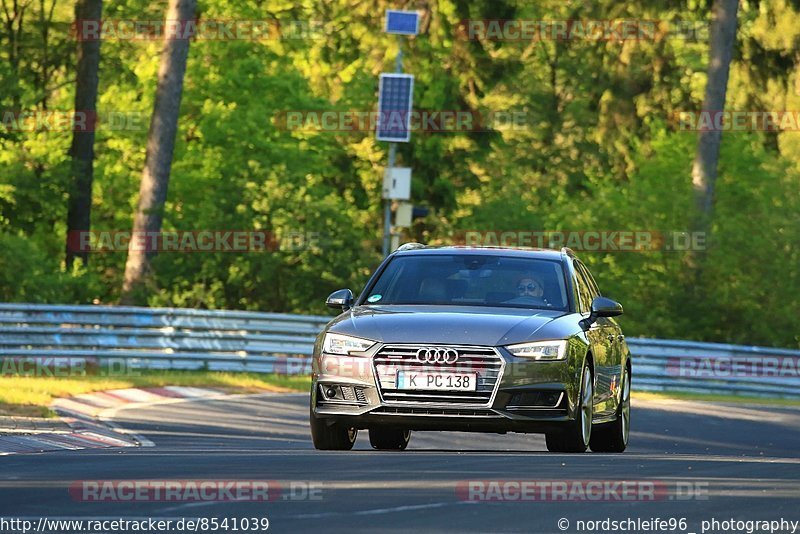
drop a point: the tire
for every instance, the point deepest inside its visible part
(613, 437)
(389, 438)
(335, 437)
(578, 433)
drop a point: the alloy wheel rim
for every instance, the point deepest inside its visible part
(586, 406)
(626, 406)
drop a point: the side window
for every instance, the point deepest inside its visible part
(584, 293)
(592, 284)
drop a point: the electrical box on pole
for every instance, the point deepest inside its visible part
(397, 183)
(402, 216)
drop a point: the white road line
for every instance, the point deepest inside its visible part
(199, 505)
(378, 511)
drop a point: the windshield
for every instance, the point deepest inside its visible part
(471, 280)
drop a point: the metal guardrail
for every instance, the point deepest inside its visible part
(174, 338)
(740, 370)
(161, 338)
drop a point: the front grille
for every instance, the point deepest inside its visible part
(347, 393)
(360, 396)
(483, 361)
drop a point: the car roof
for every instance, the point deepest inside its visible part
(540, 253)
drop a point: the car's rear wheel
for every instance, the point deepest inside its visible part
(578, 433)
(613, 437)
(331, 437)
(389, 438)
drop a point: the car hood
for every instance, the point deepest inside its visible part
(448, 324)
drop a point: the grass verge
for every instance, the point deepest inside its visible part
(30, 396)
(710, 397)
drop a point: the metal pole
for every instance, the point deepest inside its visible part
(387, 206)
(398, 64)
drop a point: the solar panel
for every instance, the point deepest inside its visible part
(395, 96)
(402, 22)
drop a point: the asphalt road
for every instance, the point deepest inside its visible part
(705, 461)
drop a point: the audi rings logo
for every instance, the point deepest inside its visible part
(437, 355)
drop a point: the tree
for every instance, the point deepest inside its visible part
(160, 144)
(82, 150)
(704, 169)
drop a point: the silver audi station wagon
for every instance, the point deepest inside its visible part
(477, 340)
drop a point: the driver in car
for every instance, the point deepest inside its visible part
(530, 287)
(530, 291)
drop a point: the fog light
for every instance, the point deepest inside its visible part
(330, 393)
(539, 399)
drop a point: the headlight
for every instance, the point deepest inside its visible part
(540, 350)
(339, 344)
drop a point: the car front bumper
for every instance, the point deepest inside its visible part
(527, 396)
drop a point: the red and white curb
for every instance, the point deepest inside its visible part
(88, 417)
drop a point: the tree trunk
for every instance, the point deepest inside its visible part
(704, 170)
(160, 146)
(82, 150)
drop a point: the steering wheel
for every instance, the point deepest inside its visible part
(529, 300)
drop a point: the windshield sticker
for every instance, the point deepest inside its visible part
(374, 298)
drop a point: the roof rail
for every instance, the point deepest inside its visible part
(410, 246)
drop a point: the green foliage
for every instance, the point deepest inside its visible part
(599, 151)
(31, 273)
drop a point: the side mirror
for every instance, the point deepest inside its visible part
(602, 307)
(342, 299)
(605, 307)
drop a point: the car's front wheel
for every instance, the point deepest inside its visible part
(331, 437)
(613, 437)
(389, 438)
(578, 433)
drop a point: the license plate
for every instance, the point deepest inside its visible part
(437, 381)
